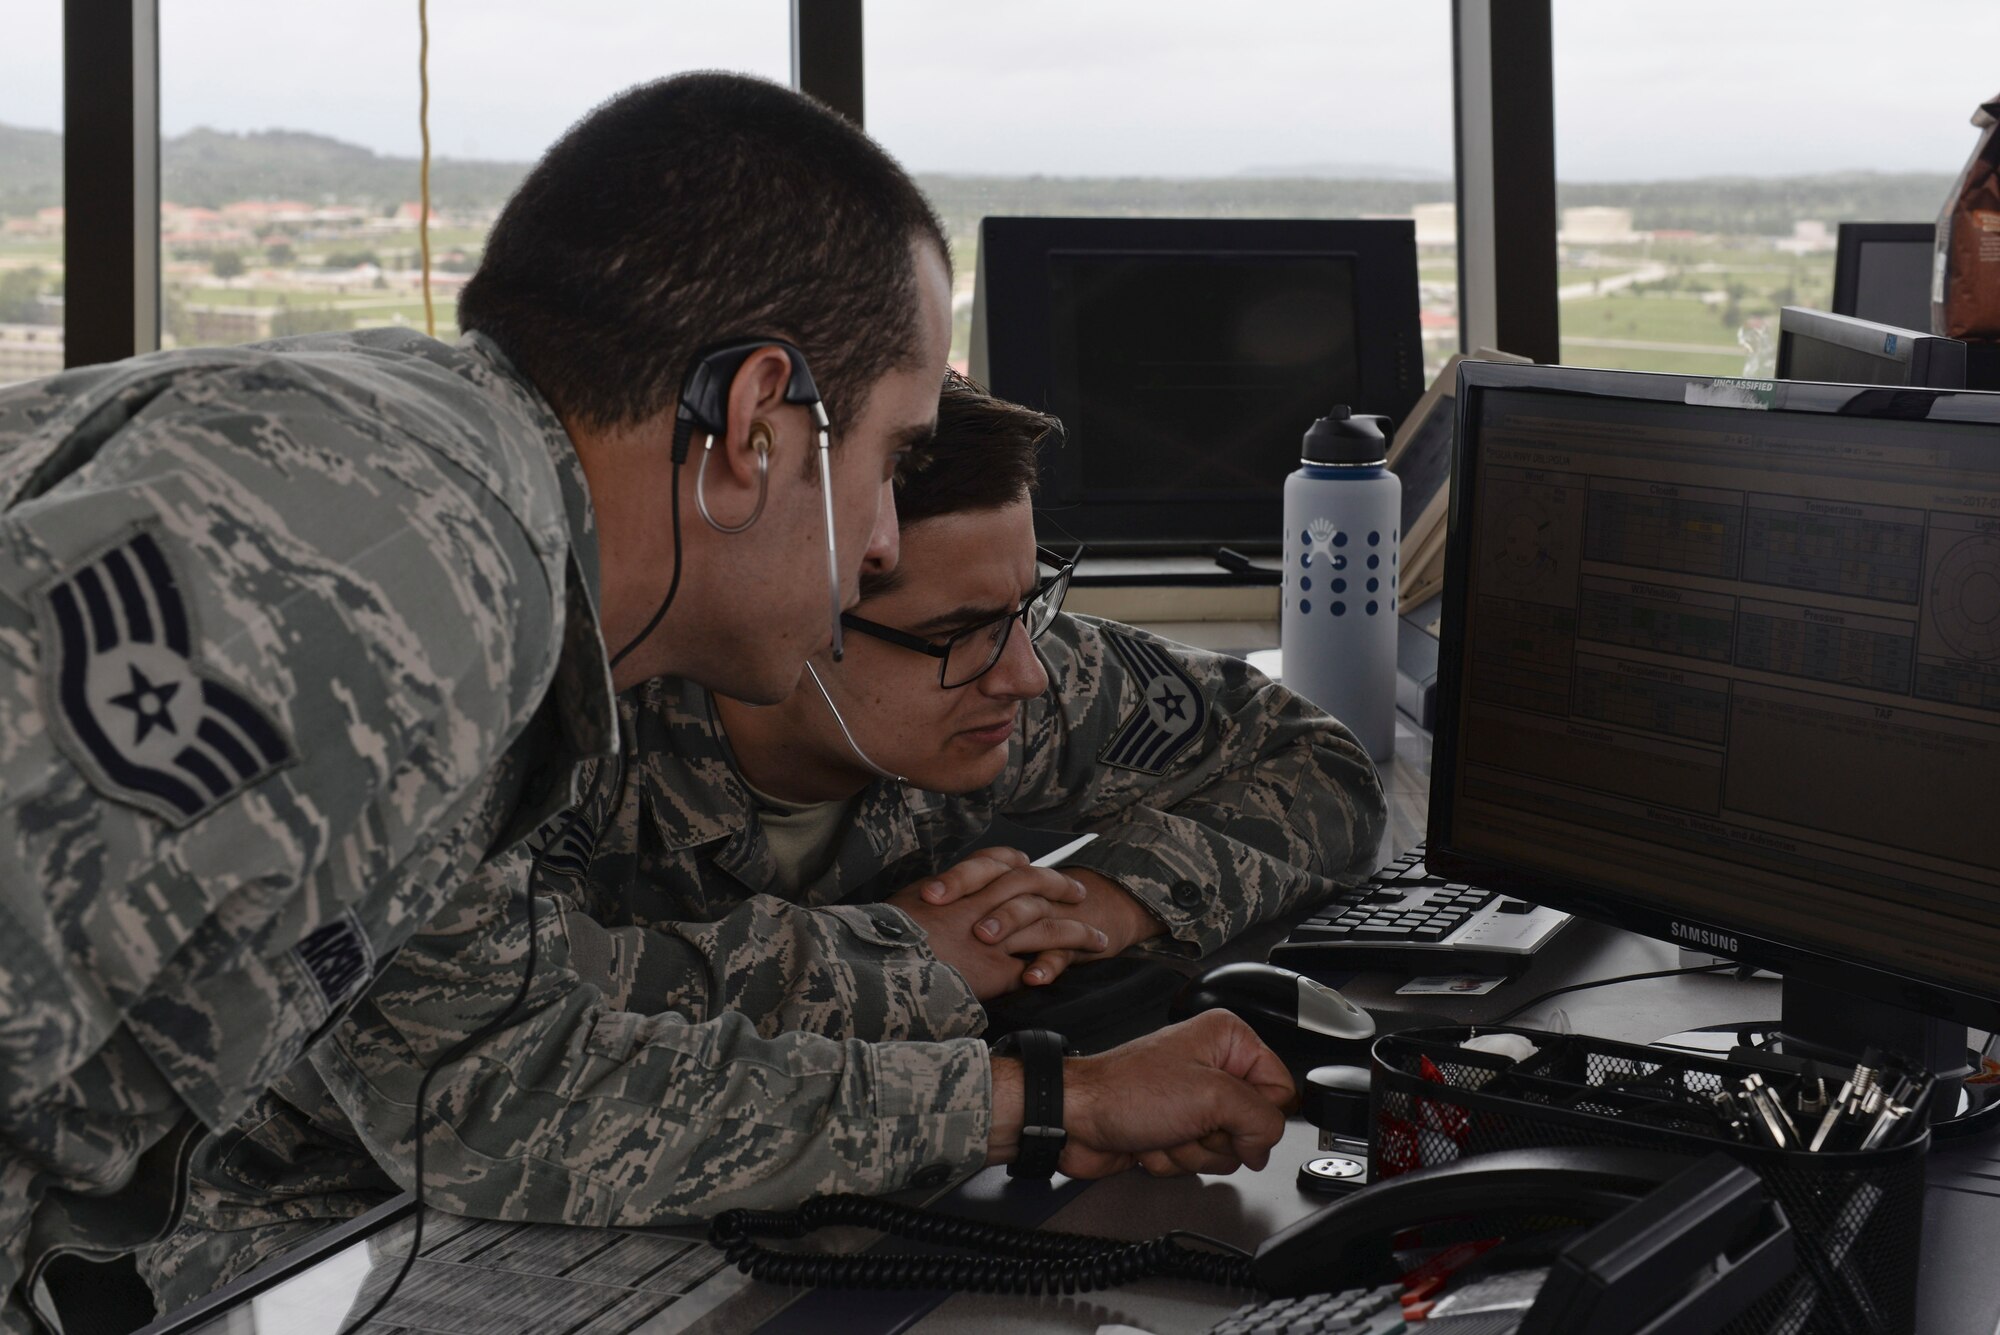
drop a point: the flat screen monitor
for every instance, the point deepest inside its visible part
(1720, 663)
(1814, 345)
(1187, 356)
(1882, 272)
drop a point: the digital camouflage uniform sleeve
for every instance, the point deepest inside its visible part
(267, 624)
(589, 1108)
(1220, 798)
(289, 1167)
(645, 899)
(668, 868)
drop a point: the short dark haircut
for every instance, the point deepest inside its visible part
(982, 458)
(699, 208)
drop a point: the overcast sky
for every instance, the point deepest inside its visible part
(1644, 88)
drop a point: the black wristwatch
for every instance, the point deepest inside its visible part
(1041, 1053)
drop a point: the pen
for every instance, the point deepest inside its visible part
(1062, 855)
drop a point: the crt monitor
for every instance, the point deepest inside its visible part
(1815, 345)
(1720, 663)
(1882, 272)
(1187, 356)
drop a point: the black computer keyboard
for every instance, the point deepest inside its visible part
(1406, 920)
(1355, 1312)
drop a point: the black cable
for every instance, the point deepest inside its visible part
(1011, 1259)
(683, 435)
(493, 1026)
(1607, 982)
(674, 585)
(1227, 1248)
(457, 1050)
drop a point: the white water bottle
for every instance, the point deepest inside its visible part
(1343, 529)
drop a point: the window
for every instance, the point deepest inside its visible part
(1289, 108)
(31, 192)
(1707, 151)
(289, 154)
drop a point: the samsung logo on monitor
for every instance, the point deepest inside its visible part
(1701, 936)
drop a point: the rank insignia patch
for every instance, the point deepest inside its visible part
(1170, 715)
(140, 717)
(564, 844)
(339, 959)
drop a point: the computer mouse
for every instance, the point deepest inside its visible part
(1299, 1018)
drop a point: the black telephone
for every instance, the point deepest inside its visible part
(1676, 1245)
(1673, 1246)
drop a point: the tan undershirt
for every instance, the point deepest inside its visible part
(802, 836)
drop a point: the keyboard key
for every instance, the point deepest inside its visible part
(1406, 920)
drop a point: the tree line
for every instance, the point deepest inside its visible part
(211, 168)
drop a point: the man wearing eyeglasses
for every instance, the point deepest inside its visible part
(766, 862)
(1219, 799)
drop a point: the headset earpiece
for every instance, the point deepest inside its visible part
(704, 400)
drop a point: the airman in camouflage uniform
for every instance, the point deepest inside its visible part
(658, 899)
(293, 637)
(289, 637)
(598, 1109)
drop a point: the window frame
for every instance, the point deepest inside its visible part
(1504, 131)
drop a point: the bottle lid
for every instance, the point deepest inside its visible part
(1346, 437)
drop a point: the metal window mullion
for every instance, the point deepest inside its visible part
(826, 53)
(1505, 98)
(111, 179)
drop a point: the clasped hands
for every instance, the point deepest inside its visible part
(1202, 1096)
(1005, 923)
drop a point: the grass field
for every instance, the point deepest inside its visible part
(1683, 319)
(1662, 318)
(1630, 359)
(15, 254)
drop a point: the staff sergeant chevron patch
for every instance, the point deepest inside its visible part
(142, 720)
(1171, 712)
(565, 843)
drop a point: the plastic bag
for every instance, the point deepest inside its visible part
(1965, 277)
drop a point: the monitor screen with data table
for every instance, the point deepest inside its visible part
(1722, 664)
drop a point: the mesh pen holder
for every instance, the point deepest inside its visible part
(1857, 1216)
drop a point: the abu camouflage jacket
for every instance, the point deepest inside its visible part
(691, 1043)
(290, 636)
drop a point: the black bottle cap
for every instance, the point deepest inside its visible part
(1346, 437)
(1335, 1098)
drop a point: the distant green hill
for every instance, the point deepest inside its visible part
(1734, 206)
(1761, 205)
(211, 168)
(30, 170)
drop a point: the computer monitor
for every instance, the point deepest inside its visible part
(1814, 345)
(1720, 663)
(1187, 356)
(1882, 272)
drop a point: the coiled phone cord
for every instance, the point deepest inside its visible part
(1013, 1260)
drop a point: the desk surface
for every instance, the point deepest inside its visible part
(478, 1277)
(1959, 1290)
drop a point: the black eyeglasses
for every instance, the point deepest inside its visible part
(970, 654)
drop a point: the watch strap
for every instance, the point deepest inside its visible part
(1040, 1052)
